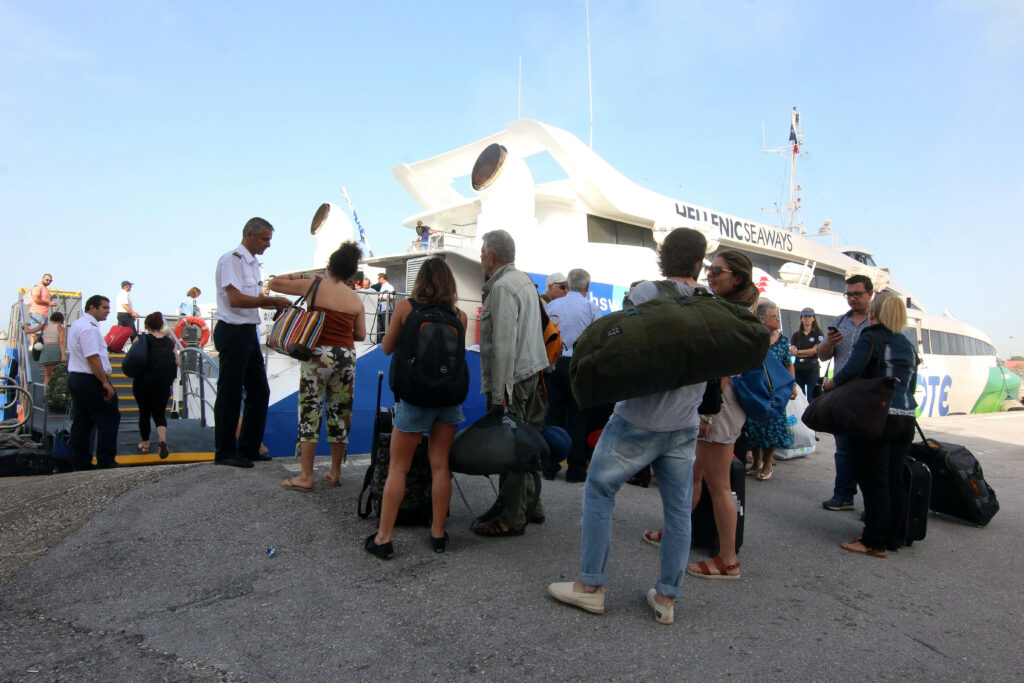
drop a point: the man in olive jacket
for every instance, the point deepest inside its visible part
(512, 358)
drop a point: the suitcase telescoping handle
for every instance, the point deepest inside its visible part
(924, 439)
(380, 382)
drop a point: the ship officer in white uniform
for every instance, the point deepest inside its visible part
(93, 400)
(236, 337)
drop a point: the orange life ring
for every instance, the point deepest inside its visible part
(198, 322)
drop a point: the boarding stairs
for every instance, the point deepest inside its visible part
(48, 423)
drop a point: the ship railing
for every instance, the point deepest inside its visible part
(454, 236)
(197, 374)
(34, 409)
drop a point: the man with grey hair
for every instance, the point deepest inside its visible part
(236, 337)
(572, 313)
(512, 356)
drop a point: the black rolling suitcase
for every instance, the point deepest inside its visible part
(959, 488)
(918, 480)
(703, 531)
(416, 508)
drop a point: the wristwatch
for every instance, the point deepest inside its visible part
(710, 419)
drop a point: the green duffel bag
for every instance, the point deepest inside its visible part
(663, 344)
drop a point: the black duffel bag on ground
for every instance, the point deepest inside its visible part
(496, 444)
(663, 344)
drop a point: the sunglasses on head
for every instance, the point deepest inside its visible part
(716, 270)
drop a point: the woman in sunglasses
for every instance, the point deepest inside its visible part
(730, 276)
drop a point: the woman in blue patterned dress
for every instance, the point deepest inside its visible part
(767, 435)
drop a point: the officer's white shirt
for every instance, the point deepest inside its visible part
(84, 340)
(386, 292)
(239, 269)
(124, 301)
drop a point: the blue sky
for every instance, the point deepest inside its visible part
(136, 138)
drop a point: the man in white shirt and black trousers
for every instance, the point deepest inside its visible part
(93, 400)
(236, 337)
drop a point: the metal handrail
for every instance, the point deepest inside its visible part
(204, 380)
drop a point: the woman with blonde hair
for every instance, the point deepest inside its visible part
(435, 286)
(327, 379)
(883, 351)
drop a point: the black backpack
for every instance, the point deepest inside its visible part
(429, 366)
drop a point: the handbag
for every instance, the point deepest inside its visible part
(858, 408)
(764, 391)
(296, 331)
(134, 361)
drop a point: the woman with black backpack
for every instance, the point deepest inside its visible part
(427, 334)
(152, 385)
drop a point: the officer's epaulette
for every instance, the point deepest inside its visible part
(236, 254)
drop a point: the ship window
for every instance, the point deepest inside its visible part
(911, 334)
(607, 231)
(958, 345)
(939, 343)
(926, 341)
(790, 323)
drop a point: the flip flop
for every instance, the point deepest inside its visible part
(653, 537)
(327, 478)
(761, 476)
(870, 552)
(287, 484)
(143, 449)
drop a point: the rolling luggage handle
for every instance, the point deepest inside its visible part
(365, 509)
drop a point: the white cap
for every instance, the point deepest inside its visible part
(553, 279)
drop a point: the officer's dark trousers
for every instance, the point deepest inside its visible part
(240, 366)
(88, 410)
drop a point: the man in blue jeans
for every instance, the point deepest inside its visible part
(842, 335)
(658, 430)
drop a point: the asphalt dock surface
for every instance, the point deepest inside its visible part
(162, 573)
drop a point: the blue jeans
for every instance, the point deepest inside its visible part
(846, 470)
(623, 450)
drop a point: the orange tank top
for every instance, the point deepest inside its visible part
(337, 329)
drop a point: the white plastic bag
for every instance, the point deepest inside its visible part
(803, 436)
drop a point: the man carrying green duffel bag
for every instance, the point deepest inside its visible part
(665, 343)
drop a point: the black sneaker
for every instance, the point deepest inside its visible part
(837, 503)
(384, 551)
(260, 457)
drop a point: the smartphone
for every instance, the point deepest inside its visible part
(832, 329)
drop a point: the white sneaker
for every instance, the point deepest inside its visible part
(663, 614)
(567, 593)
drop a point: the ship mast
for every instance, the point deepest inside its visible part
(796, 140)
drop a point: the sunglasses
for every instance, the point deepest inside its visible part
(716, 270)
(562, 286)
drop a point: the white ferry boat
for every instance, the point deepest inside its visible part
(597, 219)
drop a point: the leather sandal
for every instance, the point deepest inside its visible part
(493, 529)
(702, 570)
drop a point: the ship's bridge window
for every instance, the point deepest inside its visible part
(861, 257)
(607, 231)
